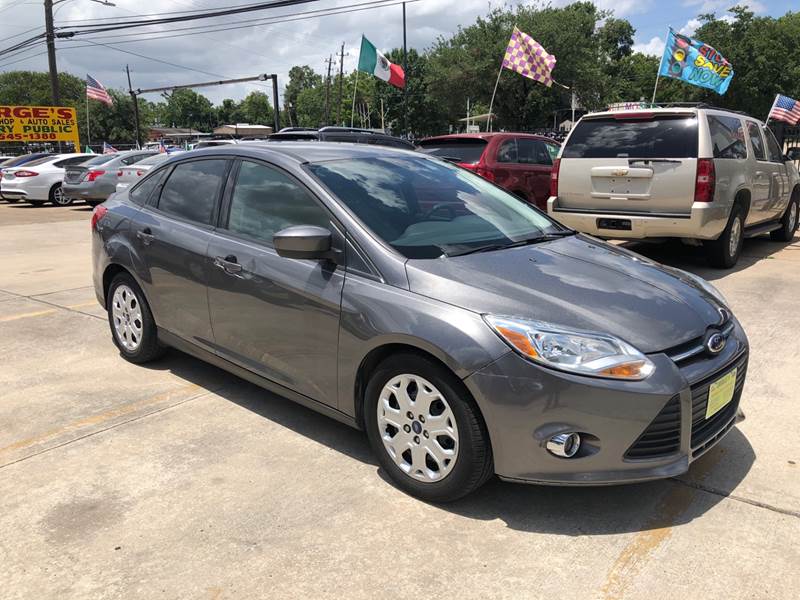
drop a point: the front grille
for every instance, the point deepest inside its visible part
(663, 436)
(707, 431)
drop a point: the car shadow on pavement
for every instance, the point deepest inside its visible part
(693, 258)
(571, 511)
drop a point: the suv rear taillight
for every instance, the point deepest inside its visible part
(94, 174)
(98, 213)
(25, 173)
(706, 180)
(554, 177)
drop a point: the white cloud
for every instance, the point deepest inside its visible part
(654, 47)
(690, 27)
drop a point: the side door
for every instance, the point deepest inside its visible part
(508, 173)
(278, 317)
(171, 236)
(761, 176)
(538, 164)
(779, 192)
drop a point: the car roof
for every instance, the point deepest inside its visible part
(486, 136)
(666, 110)
(305, 152)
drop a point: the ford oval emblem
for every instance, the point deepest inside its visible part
(715, 342)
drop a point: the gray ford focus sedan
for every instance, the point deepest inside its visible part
(467, 332)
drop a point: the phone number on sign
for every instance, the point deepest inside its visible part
(27, 136)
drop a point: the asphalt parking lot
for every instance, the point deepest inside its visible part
(177, 480)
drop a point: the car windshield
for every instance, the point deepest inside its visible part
(425, 208)
(98, 160)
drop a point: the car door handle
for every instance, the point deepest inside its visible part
(228, 264)
(146, 235)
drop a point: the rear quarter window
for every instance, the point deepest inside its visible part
(727, 136)
(671, 136)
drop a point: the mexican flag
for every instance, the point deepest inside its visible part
(373, 62)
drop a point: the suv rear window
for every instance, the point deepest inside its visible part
(463, 151)
(669, 136)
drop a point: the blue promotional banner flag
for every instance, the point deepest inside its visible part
(694, 62)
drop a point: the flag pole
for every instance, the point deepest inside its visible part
(774, 102)
(491, 104)
(660, 64)
(353, 108)
(88, 130)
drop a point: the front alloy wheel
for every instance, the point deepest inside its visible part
(425, 429)
(418, 427)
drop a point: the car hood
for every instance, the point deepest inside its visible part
(576, 282)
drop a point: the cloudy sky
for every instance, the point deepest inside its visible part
(267, 48)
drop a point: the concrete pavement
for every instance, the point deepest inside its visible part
(178, 480)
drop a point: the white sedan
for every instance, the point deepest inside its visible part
(39, 181)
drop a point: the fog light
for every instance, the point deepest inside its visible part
(564, 445)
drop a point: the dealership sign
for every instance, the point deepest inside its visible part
(27, 124)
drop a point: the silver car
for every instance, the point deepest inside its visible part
(467, 332)
(129, 175)
(705, 175)
(96, 179)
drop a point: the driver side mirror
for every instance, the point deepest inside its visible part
(305, 242)
(793, 154)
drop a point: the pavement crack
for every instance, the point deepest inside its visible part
(113, 426)
(724, 494)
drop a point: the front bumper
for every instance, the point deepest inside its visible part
(706, 221)
(524, 405)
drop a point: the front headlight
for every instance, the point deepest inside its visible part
(707, 286)
(593, 354)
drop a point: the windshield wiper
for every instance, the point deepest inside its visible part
(545, 237)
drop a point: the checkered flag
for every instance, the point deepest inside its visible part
(527, 57)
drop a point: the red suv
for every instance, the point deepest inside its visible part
(518, 162)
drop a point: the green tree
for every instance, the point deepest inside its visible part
(301, 78)
(229, 112)
(256, 109)
(187, 109)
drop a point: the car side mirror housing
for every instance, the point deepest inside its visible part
(793, 154)
(305, 242)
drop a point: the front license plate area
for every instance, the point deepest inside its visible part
(720, 393)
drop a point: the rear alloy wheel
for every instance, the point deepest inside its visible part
(132, 326)
(789, 221)
(57, 197)
(426, 430)
(724, 252)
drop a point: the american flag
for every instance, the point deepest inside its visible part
(785, 109)
(109, 149)
(96, 91)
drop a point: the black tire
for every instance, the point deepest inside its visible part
(473, 463)
(719, 251)
(149, 348)
(789, 221)
(55, 193)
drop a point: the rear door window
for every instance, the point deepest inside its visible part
(75, 160)
(756, 141)
(727, 137)
(192, 190)
(667, 136)
(462, 151)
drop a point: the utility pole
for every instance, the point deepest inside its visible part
(135, 100)
(341, 77)
(405, 75)
(51, 52)
(328, 91)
